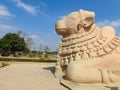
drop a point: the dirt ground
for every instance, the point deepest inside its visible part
(29, 77)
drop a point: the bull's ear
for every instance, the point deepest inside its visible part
(88, 21)
(79, 28)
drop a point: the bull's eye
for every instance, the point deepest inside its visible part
(85, 24)
(79, 26)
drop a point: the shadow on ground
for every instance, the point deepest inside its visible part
(112, 88)
(52, 69)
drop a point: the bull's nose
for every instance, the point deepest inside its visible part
(92, 14)
(60, 27)
(60, 24)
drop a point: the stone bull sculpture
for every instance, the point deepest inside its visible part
(87, 53)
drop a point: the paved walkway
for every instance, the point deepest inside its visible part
(29, 77)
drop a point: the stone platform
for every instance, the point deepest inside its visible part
(75, 86)
(29, 77)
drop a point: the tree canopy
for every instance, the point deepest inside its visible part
(11, 43)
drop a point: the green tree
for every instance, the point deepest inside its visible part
(40, 48)
(46, 49)
(12, 43)
(28, 40)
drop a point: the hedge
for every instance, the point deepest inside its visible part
(25, 59)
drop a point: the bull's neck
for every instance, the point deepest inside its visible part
(93, 32)
(92, 44)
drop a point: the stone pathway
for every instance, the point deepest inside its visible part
(29, 77)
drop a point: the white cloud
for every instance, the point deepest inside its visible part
(5, 27)
(4, 11)
(115, 23)
(28, 8)
(37, 40)
(61, 17)
(35, 37)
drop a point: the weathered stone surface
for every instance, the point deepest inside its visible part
(88, 54)
(76, 86)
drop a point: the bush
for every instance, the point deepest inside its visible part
(3, 64)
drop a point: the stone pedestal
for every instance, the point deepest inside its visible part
(76, 86)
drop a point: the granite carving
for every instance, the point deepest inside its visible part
(87, 53)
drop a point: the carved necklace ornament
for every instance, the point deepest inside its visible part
(92, 44)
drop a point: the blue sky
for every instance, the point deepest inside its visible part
(38, 17)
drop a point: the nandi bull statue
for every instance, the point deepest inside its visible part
(87, 53)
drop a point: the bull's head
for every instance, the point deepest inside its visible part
(75, 22)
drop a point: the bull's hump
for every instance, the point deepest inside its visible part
(108, 32)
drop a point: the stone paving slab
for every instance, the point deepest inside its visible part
(29, 77)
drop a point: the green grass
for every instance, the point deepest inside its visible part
(17, 59)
